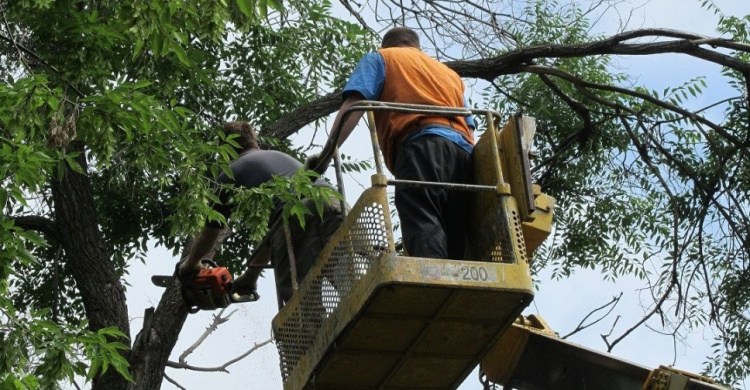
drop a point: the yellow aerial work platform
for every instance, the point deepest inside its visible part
(530, 356)
(366, 317)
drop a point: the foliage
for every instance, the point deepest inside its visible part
(592, 191)
(135, 88)
(658, 186)
(254, 207)
(39, 354)
(127, 96)
(731, 359)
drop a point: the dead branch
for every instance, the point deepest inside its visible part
(611, 304)
(218, 319)
(223, 367)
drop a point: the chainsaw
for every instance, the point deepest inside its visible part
(211, 288)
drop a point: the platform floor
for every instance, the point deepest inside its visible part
(417, 337)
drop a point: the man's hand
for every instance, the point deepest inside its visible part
(186, 271)
(246, 284)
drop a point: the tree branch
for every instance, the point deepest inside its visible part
(223, 367)
(581, 326)
(356, 15)
(40, 59)
(676, 250)
(582, 85)
(514, 62)
(304, 115)
(491, 68)
(38, 223)
(218, 320)
(172, 381)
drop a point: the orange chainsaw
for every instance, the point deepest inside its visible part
(210, 289)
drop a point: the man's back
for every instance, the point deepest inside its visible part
(411, 76)
(414, 77)
(253, 168)
(256, 167)
(417, 147)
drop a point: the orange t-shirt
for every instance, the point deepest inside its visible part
(413, 77)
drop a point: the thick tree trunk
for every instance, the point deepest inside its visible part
(95, 274)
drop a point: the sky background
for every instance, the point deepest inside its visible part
(562, 303)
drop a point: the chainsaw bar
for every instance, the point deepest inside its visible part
(167, 280)
(162, 280)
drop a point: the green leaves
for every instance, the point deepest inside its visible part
(259, 8)
(293, 191)
(142, 87)
(42, 352)
(247, 7)
(104, 353)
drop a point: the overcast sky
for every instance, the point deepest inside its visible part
(561, 303)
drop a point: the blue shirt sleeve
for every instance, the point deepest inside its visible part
(469, 118)
(368, 77)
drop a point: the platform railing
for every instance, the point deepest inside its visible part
(330, 149)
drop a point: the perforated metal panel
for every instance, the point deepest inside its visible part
(363, 237)
(509, 246)
(496, 227)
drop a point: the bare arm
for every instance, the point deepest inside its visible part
(353, 119)
(202, 246)
(255, 267)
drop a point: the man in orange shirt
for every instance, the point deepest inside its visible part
(417, 146)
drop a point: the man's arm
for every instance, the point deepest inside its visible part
(365, 83)
(202, 246)
(351, 122)
(249, 278)
(353, 119)
(469, 118)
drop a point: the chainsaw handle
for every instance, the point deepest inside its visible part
(210, 262)
(237, 298)
(244, 296)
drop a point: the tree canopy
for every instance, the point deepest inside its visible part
(109, 134)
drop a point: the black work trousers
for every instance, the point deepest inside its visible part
(433, 220)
